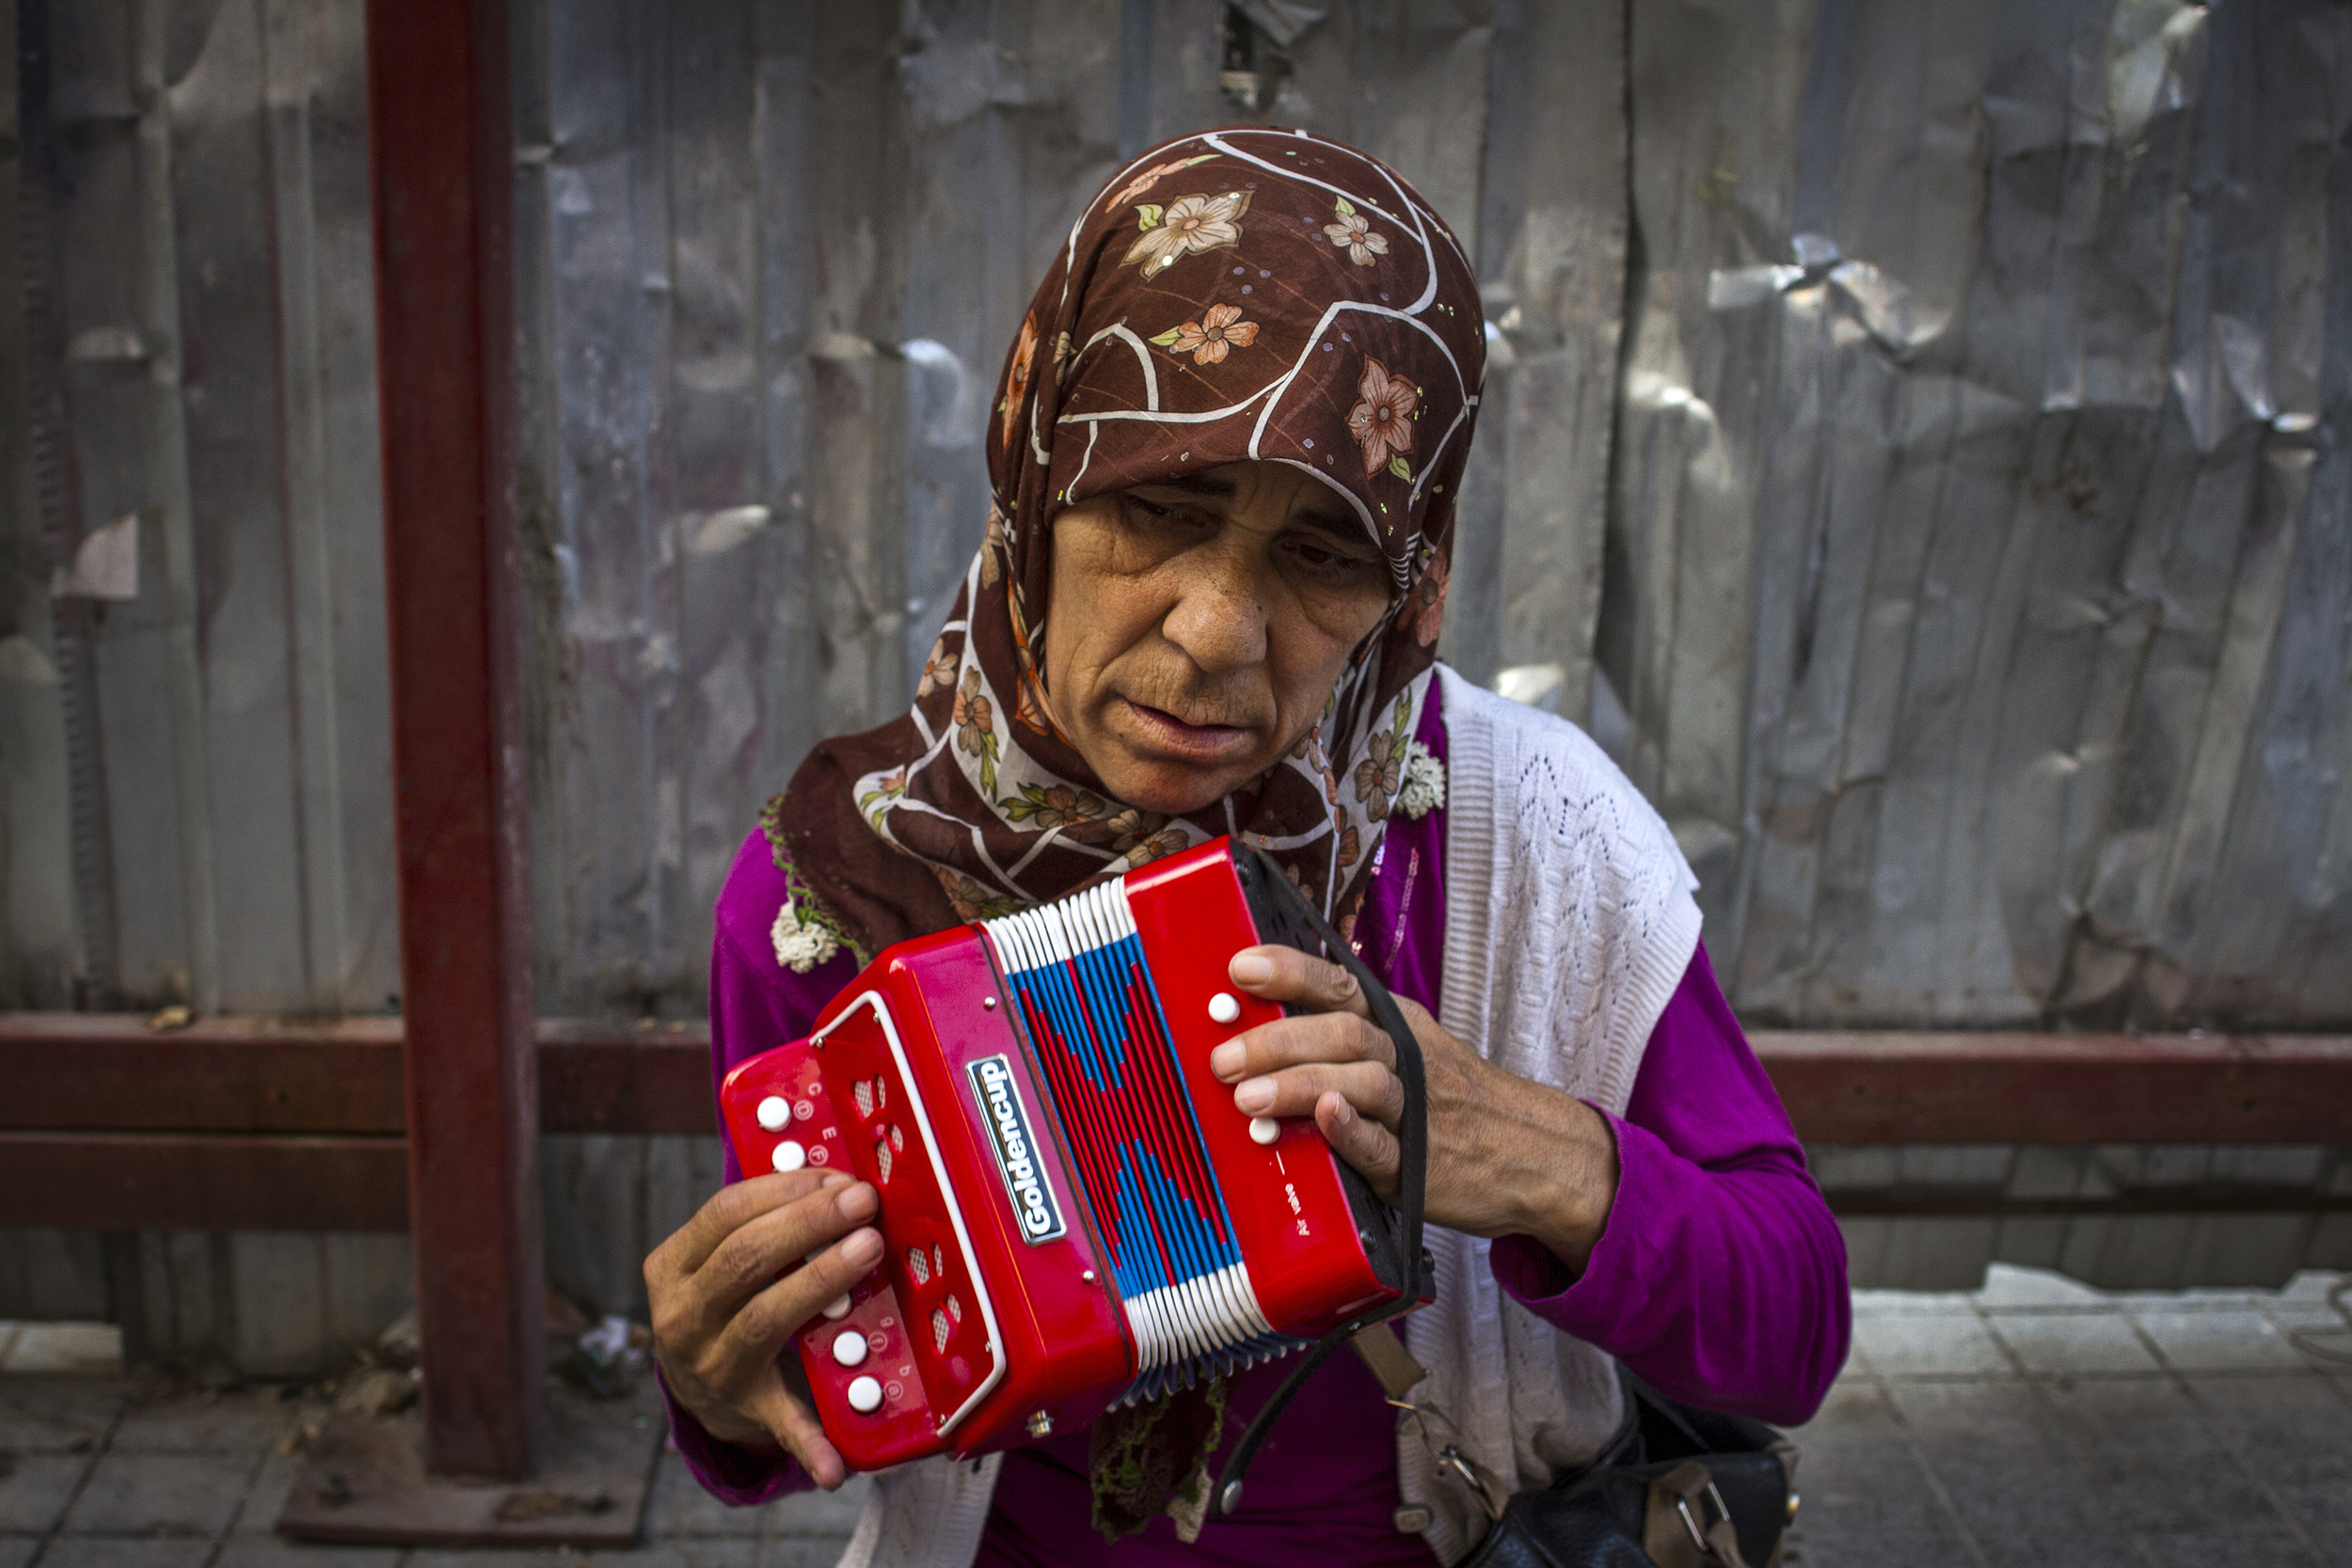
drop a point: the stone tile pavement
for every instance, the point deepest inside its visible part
(2033, 1422)
(2040, 1421)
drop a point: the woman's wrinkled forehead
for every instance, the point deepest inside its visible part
(1251, 296)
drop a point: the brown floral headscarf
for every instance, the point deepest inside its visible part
(1232, 295)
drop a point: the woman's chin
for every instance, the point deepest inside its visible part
(1171, 788)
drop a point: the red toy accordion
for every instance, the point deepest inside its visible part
(1074, 1212)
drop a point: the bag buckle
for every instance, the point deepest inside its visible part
(1448, 1456)
(1698, 1533)
(1683, 1494)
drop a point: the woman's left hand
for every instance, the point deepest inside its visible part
(1506, 1156)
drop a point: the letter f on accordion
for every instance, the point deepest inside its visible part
(1075, 1215)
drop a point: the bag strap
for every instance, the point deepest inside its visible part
(1412, 1182)
(1389, 1361)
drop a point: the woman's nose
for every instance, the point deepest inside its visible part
(1218, 619)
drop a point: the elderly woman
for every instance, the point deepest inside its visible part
(1226, 460)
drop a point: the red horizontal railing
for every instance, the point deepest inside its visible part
(268, 1124)
(109, 1072)
(1898, 1088)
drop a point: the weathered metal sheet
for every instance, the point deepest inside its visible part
(1552, 220)
(119, 310)
(786, 246)
(207, 216)
(2015, 690)
(325, 278)
(231, 415)
(1911, 443)
(43, 654)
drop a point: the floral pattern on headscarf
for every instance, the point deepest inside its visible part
(1236, 295)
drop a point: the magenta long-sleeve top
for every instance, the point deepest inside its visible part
(1719, 1278)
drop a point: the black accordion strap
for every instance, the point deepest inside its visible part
(1413, 1181)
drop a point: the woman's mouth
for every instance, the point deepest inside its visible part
(1163, 731)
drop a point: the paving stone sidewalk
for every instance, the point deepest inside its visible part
(2041, 1421)
(2035, 1421)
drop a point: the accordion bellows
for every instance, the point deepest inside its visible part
(1074, 1212)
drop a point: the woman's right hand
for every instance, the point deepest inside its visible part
(723, 1321)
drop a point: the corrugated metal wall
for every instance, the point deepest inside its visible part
(1914, 442)
(774, 255)
(1980, 532)
(1919, 416)
(196, 790)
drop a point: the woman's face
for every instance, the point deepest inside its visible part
(1197, 626)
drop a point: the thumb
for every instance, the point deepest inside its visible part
(794, 1426)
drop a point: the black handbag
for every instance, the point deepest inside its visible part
(1677, 1487)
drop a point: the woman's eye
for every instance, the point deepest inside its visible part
(1323, 559)
(1141, 510)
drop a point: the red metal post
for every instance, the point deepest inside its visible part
(441, 159)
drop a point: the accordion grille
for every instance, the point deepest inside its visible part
(1084, 988)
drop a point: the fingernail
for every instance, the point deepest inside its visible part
(1255, 1096)
(1226, 1060)
(832, 1178)
(863, 1247)
(857, 1202)
(1251, 969)
(1345, 1113)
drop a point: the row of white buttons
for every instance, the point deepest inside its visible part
(1224, 1008)
(849, 1349)
(776, 1115)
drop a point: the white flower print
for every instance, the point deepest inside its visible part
(1383, 422)
(1353, 234)
(1188, 225)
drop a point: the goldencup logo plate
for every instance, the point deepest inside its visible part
(1033, 1205)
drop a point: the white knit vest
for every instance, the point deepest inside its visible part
(1569, 922)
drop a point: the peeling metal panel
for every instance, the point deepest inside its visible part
(713, 362)
(1550, 228)
(784, 248)
(331, 500)
(41, 951)
(1999, 466)
(1013, 115)
(206, 214)
(1912, 444)
(1714, 94)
